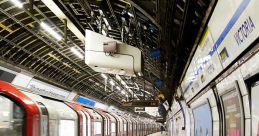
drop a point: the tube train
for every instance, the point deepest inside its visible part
(23, 113)
(219, 93)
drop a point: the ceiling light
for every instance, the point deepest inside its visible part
(112, 83)
(76, 52)
(17, 3)
(104, 76)
(139, 74)
(101, 12)
(51, 31)
(118, 77)
(91, 80)
(122, 82)
(104, 33)
(130, 90)
(106, 21)
(130, 14)
(118, 88)
(109, 28)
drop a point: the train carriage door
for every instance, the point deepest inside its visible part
(134, 128)
(124, 126)
(44, 119)
(97, 124)
(19, 115)
(254, 108)
(12, 118)
(84, 132)
(83, 118)
(88, 124)
(112, 124)
(104, 122)
(129, 127)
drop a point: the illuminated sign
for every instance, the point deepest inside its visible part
(85, 101)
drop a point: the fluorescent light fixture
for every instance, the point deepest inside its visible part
(145, 28)
(76, 52)
(101, 12)
(106, 21)
(122, 82)
(118, 88)
(130, 90)
(51, 31)
(17, 3)
(104, 33)
(112, 83)
(118, 77)
(109, 28)
(104, 76)
(130, 14)
(139, 74)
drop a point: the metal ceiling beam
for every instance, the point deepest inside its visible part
(85, 4)
(65, 43)
(68, 55)
(39, 37)
(60, 14)
(36, 56)
(145, 13)
(113, 15)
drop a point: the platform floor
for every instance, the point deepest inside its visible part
(159, 134)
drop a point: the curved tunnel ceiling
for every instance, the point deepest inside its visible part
(169, 26)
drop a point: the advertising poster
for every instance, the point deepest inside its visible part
(233, 113)
(255, 110)
(202, 120)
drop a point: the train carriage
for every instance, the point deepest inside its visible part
(25, 113)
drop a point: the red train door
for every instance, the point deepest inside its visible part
(19, 115)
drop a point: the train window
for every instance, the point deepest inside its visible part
(12, 118)
(113, 127)
(125, 127)
(97, 128)
(67, 128)
(53, 127)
